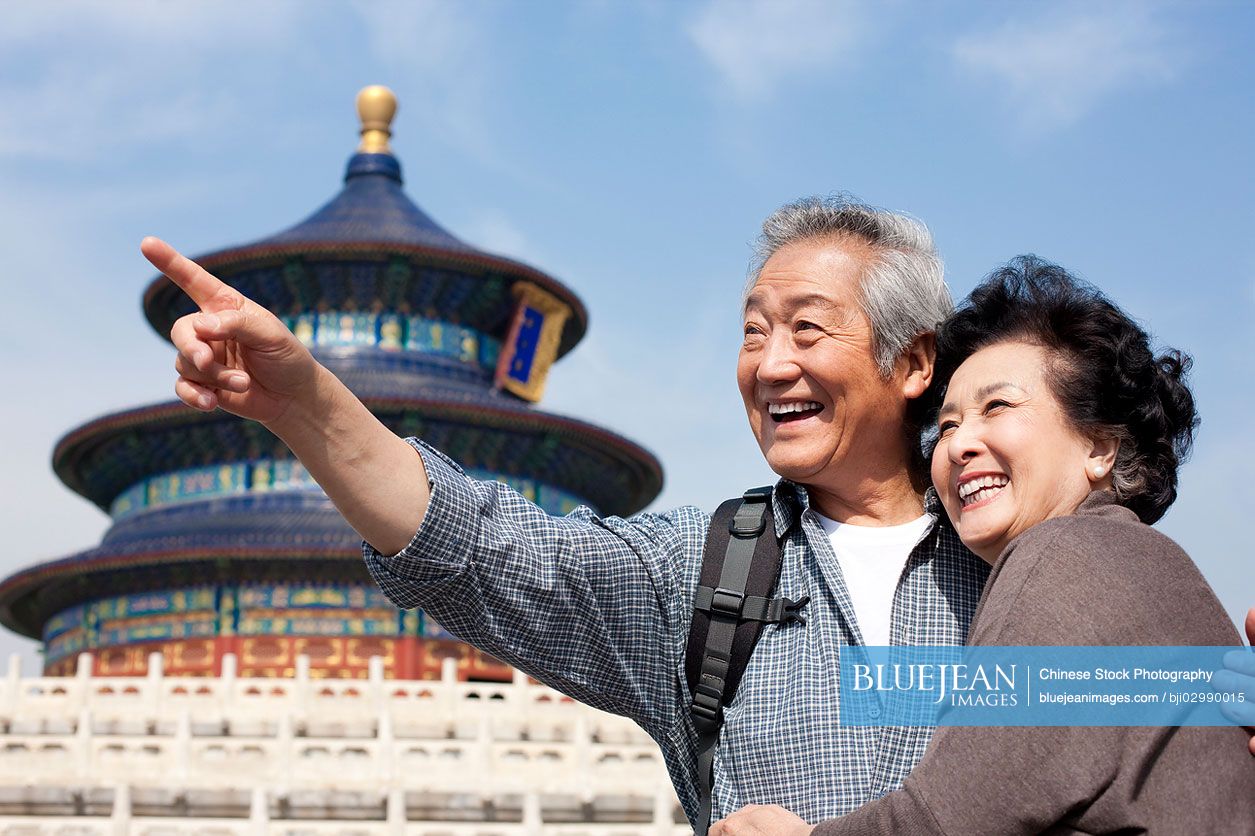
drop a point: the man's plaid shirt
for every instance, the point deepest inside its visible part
(599, 608)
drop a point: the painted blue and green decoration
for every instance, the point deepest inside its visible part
(221, 542)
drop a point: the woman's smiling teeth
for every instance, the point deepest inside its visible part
(792, 411)
(981, 488)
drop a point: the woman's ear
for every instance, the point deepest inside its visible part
(919, 360)
(1101, 461)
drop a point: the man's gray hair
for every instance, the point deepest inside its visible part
(902, 294)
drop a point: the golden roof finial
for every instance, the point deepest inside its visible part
(376, 105)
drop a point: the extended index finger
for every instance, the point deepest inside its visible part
(195, 281)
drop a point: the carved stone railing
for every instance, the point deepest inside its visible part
(229, 755)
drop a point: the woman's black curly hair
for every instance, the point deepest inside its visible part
(1104, 374)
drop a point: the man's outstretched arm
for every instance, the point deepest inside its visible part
(588, 605)
(237, 355)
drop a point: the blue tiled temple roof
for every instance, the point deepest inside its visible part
(371, 207)
(370, 217)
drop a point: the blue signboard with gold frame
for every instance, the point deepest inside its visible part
(532, 344)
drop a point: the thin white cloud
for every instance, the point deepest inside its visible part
(186, 26)
(492, 230)
(138, 75)
(107, 105)
(757, 45)
(126, 74)
(1060, 65)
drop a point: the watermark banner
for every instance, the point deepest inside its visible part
(1035, 686)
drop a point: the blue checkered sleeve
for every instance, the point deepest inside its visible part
(599, 608)
(591, 606)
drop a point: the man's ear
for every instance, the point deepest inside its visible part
(918, 361)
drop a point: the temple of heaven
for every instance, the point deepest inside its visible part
(221, 543)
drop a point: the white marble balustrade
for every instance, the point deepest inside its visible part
(230, 755)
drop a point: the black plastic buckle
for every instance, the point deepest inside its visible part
(727, 602)
(757, 494)
(750, 519)
(748, 525)
(792, 610)
(705, 706)
(784, 611)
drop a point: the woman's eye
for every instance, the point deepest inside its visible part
(947, 426)
(751, 329)
(992, 405)
(806, 326)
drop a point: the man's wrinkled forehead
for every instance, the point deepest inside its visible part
(827, 279)
(761, 298)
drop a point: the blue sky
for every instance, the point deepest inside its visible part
(631, 150)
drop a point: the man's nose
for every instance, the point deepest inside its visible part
(779, 361)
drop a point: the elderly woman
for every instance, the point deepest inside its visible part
(1058, 445)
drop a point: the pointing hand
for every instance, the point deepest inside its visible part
(233, 353)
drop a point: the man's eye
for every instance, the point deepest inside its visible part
(751, 329)
(806, 326)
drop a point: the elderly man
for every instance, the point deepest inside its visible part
(837, 352)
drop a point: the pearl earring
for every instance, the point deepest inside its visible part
(1098, 471)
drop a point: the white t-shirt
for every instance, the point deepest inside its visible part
(872, 559)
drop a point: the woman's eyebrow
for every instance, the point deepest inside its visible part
(985, 391)
(989, 388)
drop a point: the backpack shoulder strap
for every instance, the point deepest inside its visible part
(740, 567)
